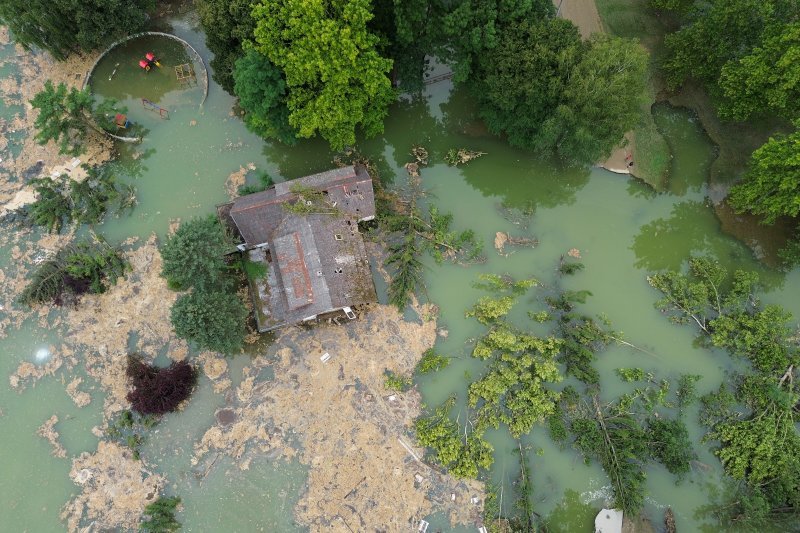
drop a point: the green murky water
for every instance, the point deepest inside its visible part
(622, 230)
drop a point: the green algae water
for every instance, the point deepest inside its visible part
(622, 230)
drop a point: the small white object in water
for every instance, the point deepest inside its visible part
(42, 354)
(608, 521)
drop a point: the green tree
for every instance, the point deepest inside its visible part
(64, 116)
(263, 96)
(213, 320)
(63, 200)
(601, 100)
(521, 81)
(771, 184)
(767, 79)
(474, 27)
(160, 516)
(337, 81)
(227, 24)
(65, 26)
(409, 31)
(193, 256)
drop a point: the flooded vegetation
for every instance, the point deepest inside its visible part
(533, 315)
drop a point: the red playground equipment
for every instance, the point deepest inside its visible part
(149, 60)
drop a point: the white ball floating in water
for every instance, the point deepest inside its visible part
(42, 354)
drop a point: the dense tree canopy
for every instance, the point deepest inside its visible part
(771, 185)
(742, 51)
(227, 25)
(549, 91)
(601, 100)
(193, 256)
(474, 27)
(337, 81)
(65, 26)
(214, 320)
(767, 79)
(521, 81)
(263, 96)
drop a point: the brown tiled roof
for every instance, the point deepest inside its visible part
(318, 261)
(258, 215)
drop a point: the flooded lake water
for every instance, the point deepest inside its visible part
(622, 229)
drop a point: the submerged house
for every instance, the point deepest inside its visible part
(306, 233)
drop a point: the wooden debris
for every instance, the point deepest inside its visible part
(502, 238)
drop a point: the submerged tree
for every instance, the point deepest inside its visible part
(66, 116)
(62, 200)
(160, 516)
(412, 233)
(84, 267)
(337, 82)
(157, 391)
(462, 453)
(755, 419)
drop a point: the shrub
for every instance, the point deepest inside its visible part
(212, 320)
(158, 391)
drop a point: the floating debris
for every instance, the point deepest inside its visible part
(421, 155)
(461, 156)
(502, 238)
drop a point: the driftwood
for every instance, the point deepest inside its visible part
(502, 238)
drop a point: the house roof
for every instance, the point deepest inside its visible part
(349, 188)
(317, 261)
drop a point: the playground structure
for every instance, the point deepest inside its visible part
(193, 54)
(149, 60)
(185, 74)
(122, 121)
(155, 108)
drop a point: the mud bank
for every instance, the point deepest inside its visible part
(338, 418)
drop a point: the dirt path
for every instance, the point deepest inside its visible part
(583, 13)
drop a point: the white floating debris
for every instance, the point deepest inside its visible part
(325, 357)
(608, 521)
(423, 526)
